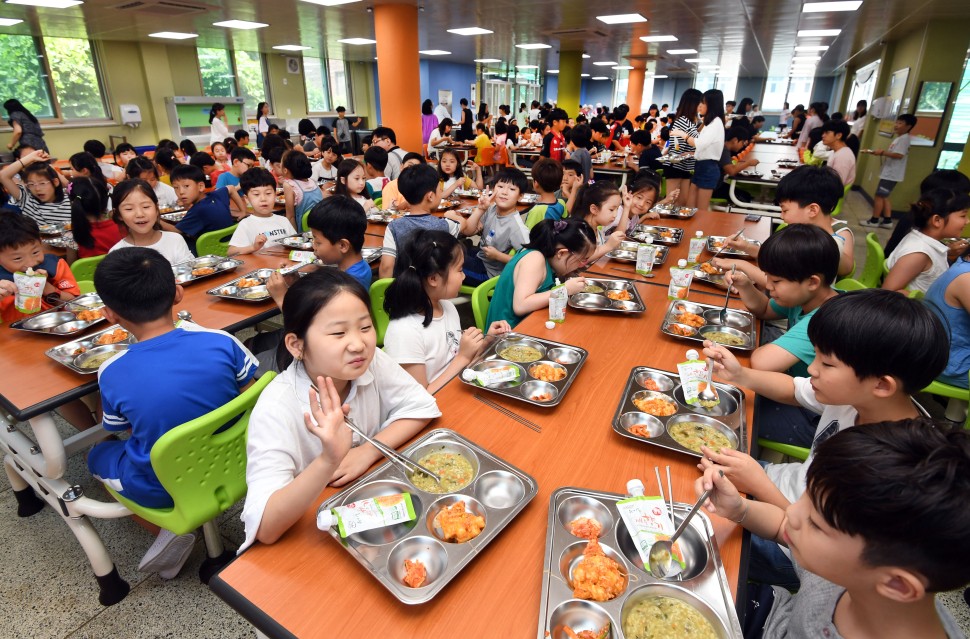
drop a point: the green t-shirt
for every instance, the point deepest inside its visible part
(501, 306)
(796, 341)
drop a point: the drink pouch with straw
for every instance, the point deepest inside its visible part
(693, 376)
(367, 514)
(30, 290)
(680, 279)
(646, 253)
(647, 521)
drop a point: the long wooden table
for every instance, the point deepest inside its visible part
(306, 584)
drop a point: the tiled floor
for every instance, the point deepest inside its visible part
(47, 589)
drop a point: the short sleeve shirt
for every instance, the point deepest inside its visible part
(274, 227)
(172, 246)
(361, 272)
(409, 341)
(796, 341)
(58, 212)
(894, 169)
(211, 213)
(510, 233)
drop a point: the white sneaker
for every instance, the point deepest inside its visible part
(870, 224)
(169, 550)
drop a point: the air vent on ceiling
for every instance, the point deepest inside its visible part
(646, 57)
(168, 8)
(572, 33)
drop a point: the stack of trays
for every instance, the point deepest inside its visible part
(86, 355)
(66, 318)
(703, 585)
(660, 234)
(715, 243)
(607, 295)
(738, 331)
(202, 267)
(498, 492)
(627, 252)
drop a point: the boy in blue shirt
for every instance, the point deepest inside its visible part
(206, 211)
(242, 160)
(168, 377)
(338, 224)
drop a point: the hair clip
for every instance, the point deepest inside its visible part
(411, 266)
(70, 185)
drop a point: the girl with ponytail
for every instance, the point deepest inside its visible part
(94, 230)
(424, 335)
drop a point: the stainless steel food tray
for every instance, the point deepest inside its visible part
(600, 302)
(667, 210)
(627, 252)
(468, 193)
(230, 290)
(727, 251)
(570, 358)
(706, 586)
(299, 242)
(716, 280)
(62, 319)
(382, 216)
(529, 198)
(67, 354)
(739, 323)
(499, 492)
(173, 215)
(729, 412)
(183, 270)
(660, 234)
(444, 205)
(52, 229)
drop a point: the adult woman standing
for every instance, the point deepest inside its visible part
(709, 144)
(857, 120)
(219, 130)
(678, 174)
(26, 129)
(484, 116)
(467, 122)
(522, 117)
(429, 121)
(262, 122)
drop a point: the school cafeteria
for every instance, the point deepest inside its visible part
(411, 319)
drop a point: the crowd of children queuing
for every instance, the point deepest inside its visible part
(869, 526)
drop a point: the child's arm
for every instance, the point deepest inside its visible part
(448, 190)
(277, 287)
(777, 386)
(9, 171)
(496, 255)
(733, 169)
(905, 270)
(753, 299)
(479, 183)
(257, 244)
(888, 154)
(288, 203)
(359, 459)
(746, 474)
(763, 519)
(471, 344)
(473, 223)
(772, 357)
(237, 202)
(528, 275)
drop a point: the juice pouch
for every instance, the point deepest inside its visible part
(647, 521)
(558, 297)
(30, 290)
(491, 376)
(303, 256)
(693, 376)
(696, 247)
(646, 253)
(680, 279)
(367, 514)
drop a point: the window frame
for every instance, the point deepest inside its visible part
(231, 53)
(325, 72)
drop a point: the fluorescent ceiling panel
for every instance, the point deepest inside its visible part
(659, 38)
(622, 18)
(470, 31)
(240, 24)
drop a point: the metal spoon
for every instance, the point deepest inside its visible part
(661, 553)
(708, 394)
(722, 314)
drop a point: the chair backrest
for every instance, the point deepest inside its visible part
(501, 155)
(849, 284)
(481, 299)
(203, 470)
(83, 268)
(488, 156)
(838, 206)
(874, 268)
(86, 286)
(381, 318)
(215, 242)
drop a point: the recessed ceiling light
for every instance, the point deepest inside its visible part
(817, 7)
(487, 60)
(47, 4)
(681, 51)
(526, 66)
(534, 45)
(357, 41)
(172, 35)
(330, 3)
(659, 38)
(622, 18)
(818, 33)
(585, 56)
(599, 77)
(240, 24)
(659, 77)
(9, 22)
(622, 67)
(291, 47)
(435, 52)
(807, 58)
(553, 71)
(584, 75)
(697, 60)
(821, 47)
(470, 31)
(605, 63)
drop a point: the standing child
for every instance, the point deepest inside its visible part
(206, 211)
(555, 250)
(40, 195)
(241, 160)
(144, 169)
(91, 224)
(496, 219)
(678, 174)
(352, 183)
(262, 226)
(136, 207)
(300, 192)
(331, 369)
(453, 175)
(342, 128)
(424, 335)
(892, 173)
(554, 143)
(547, 176)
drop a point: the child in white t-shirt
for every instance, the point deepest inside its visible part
(424, 335)
(262, 226)
(893, 171)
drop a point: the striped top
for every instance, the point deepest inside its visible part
(44, 212)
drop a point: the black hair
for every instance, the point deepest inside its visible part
(385, 132)
(463, 102)
(799, 251)
(428, 253)
(275, 154)
(201, 159)
(376, 157)
(124, 147)
(240, 134)
(89, 198)
(481, 127)
(908, 119)
(598, 126)
(447, 122)
(165, 143)
(256, 177)
(595, 194)
(645, 180)
(878, 332)
(270, 142)
(580, 135)
(166, 159)
(95, 148)
(216, 107)
(298, 164)
(427, 107)
(737, 132)
(758, 118)
(573, 234)
(821, 110)
(940, 202)
(323, 130)
(945, 179)
(85, 161)
(415, 182)
(344, 169)
(212, 147)
(572, 165)
(187, 172)
(188, 148)
(640, 137)
(459, 169)
(136, 283)
(272, 127)
(548, 174)
(515, 177)
(306, 127)
(306, 298)
(731, 103)
(714, 101)
(411, 155)
(557, 114)
(139, 165)
(121, 192)
(17, 230)
(482, 110)
(501, 127)
(901, 487)
(807, 185)
(259, 109)
(329, 144)
(689, 101)
(46, 170)
(341, 109)
(12, 106)
(339, 217)
(230, 144)
(840, 127)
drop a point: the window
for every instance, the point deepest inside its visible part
(959, 127)
(233, 74)
(317, 89)
(218, 78)
(338, 83)
(250, 77)
(55, 78)
(728, 86)
(775, 91)
(800, 91)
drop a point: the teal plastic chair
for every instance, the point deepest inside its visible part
(481, 299)
(83, 268)
(215, 242)
(381, 318)
(875, 267)
(849, 284)
(205, 473)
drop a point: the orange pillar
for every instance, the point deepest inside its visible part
(398, 71)
(634, 90)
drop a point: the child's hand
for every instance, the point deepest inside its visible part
(724, 499)
(471, 343)
(7, 288)
(276, 285)
(39, 155)
(735, 280)
(499, 327)
(454, 217)
(739, 243)
(726, 365)
(614, 239)
(744, 472)
(486, 198)
(627, 198)
(671, 197)
(327, 423)
(491, 252)
(259, 242)
(955, 249)
(355, 464)
(575, 285)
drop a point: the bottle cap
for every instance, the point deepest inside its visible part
(699, 234)
(693, 355)
(326, 519)
(682, 263)
(635, 488)
(468, 375)
(648, 239)
(550, 325)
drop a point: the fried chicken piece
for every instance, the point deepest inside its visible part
(585, 527)
(596, 576)
(415, 573)
(459, 526)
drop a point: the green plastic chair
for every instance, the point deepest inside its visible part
(481, 299)
(789, 450)
(838, 206)
(849, 284)
(875, 267)
(83, 268)
(86, 286)
(378, 201)
(205, 473)
(953, 392)
(215, 242)
(381, 318)
(304, 219)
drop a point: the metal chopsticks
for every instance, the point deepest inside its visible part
(508, 413)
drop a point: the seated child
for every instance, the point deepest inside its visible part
(578, 149)
(949, 297)
(572, 179)
(165, 162)
(261, 226)
(300, 192)
(375, 163)
(391, 197)
(123, 153)
(555, 250)
(420, 187)
(326, 167)
(880, 528)
(351, 182)
(646, 153)
(221, 155)
(98, 150)
(205, 163)
(206, 211)
(40, 195)
(338, 225)
(547, 176)
(481, 142)
(292, 456)
(496, 219)
(453, 176)
(92, 226)
(641, 196)
(144, 169)
(873, 350)
(599, 204)
(241, 160)
(424, 335)
(136, 208)
(202, 368)
(242, 137)
(920, 258)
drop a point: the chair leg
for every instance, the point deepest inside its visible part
(216, 554)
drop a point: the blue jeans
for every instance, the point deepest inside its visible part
(784, 423)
